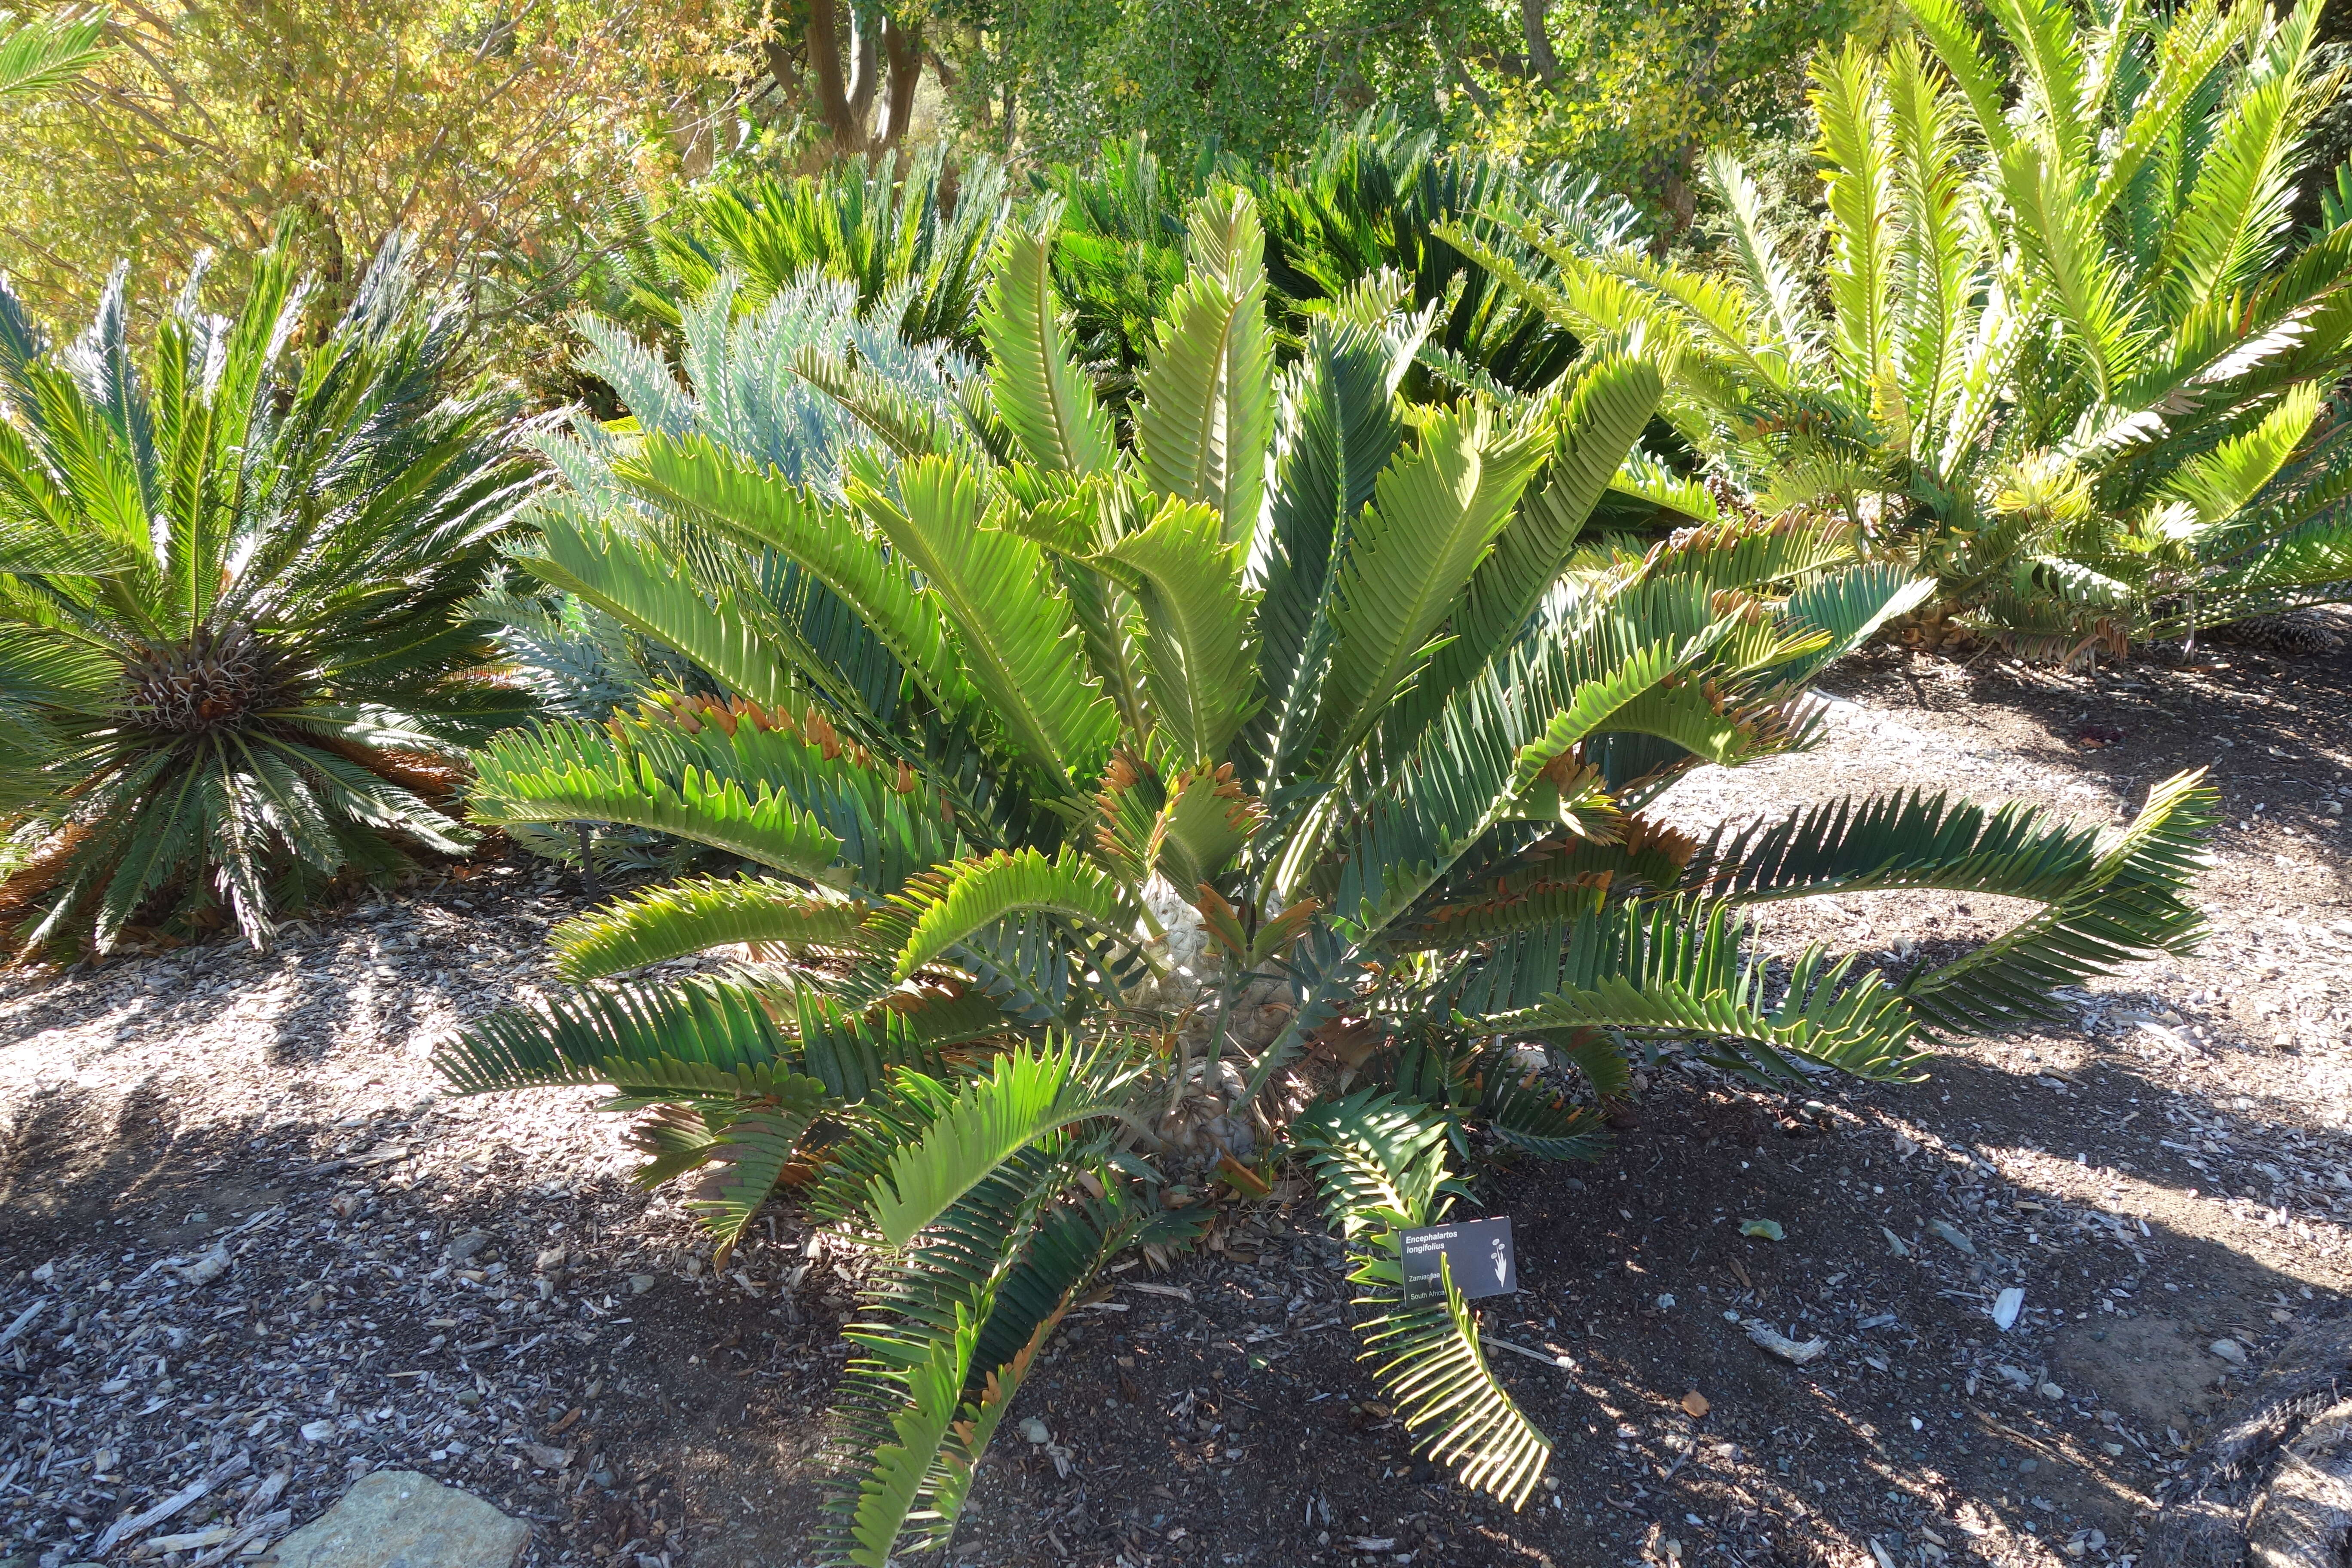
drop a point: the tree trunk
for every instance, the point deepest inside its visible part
(783, 69)
(863, 78)
(833, 98)
(902, 50)
(1541, 62)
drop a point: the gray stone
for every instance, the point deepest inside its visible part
(398, 1519)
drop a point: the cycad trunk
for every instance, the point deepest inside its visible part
(1217, 1036)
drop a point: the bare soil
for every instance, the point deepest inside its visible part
(473, 1289)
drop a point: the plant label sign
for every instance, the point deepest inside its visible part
(1476, 1252)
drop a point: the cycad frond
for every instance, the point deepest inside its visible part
(1910, 839)
(1207, 408)
(565, 773)
(1434, 512)
(765, 510)
(37, 53)
(945, 907)
(1381, 1162)
(1040, 393)
(1014, 627)
(1026, 1097)
(679, 918)
(2127, 904)
(1199, 664)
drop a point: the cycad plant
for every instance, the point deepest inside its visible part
(923, 239)
(231, 665)
(2064, 352)
(1123, 818)
(1375, 196)
(1367, 198)
(732, 382)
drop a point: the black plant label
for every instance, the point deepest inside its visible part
(1478, 1252)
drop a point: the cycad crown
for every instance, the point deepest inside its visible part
(2067, 354)
(1106, 804)
(233, 665)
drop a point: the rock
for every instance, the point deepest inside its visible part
(1034, 1430)
(399, 1519)
(1953, 1233)
(208, 1268)
(551, 1258)
(641, 1283)
(317, 1431)
(461, 1248)
(2229, 1351)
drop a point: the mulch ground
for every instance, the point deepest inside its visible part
(245, 1238)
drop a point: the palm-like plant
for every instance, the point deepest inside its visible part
(1120, 805)
(230, 664)
(2067, 354)
(921, 239)
(1368, 198)
(37, 53)
(1376, 195)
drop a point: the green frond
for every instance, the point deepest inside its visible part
(1675, 968)
(1911, 839)
(2219, 483)
(943, 908)
(1850, 606)
(1040, 391)
(698, 1040)
(1646, 478)
(1381, 1164)
(2127, 904)
(743, 1162)
(704, 481)
(1025, 1096)
(1856, 149)
(1494, 751)
(905, 1469)
(1597, 416)
(655, 593)
(1339, 425)
(1199, 664)
(571, 772)
(37, 53)
(708, 1041)
(1435, 514)
(1530, 1114)
(1013, 624)
(2229, 229)
(1760, 251)
(1067, 1252)
(1208, 389)
(677, 919)
(909, 426)
(1951, 33)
